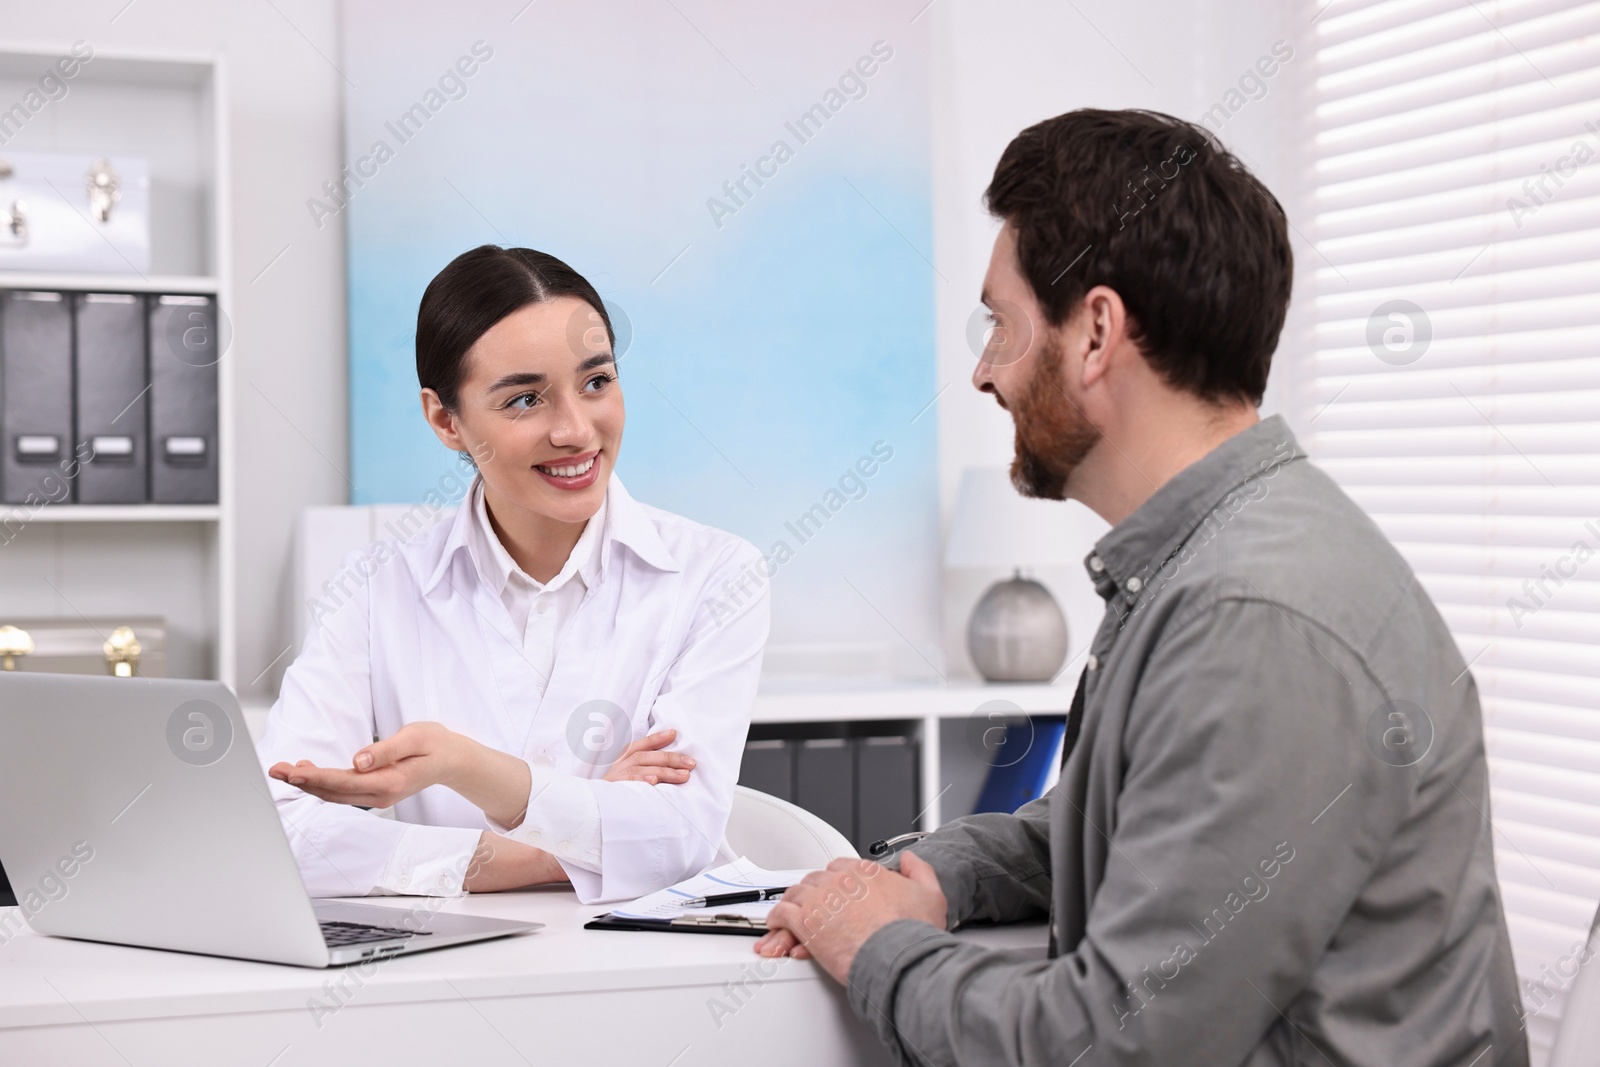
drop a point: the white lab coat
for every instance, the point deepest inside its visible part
(669, 635)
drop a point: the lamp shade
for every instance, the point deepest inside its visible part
(996, 526)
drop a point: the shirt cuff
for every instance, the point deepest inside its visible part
(876, 971)
(430, 861)
(563, 819)
(956, 882)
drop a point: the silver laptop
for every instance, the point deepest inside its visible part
(134, 810)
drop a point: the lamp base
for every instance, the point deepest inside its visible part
(1017, 632)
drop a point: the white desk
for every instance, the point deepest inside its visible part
(561, 995)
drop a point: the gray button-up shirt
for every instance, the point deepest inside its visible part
(1271, 843)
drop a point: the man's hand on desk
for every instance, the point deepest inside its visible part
(421, 754)
(831, 913)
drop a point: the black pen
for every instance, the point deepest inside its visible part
(749, 896)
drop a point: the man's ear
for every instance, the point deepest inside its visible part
(1102, 321)
(442, 420)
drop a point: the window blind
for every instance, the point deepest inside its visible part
(1450, 381)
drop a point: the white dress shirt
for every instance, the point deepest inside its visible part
(566, 820)
(653, 622)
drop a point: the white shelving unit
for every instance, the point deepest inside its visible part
(176, 561)
(113, 513)
(125, 283)
(943, 711)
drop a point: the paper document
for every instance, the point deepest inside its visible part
(734, 877)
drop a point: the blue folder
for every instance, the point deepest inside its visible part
(1022, 763)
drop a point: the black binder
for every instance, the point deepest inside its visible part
(111, 386)
(824, 781)
(184, 351)
(36, 409)
(768, 766)
(886, 787)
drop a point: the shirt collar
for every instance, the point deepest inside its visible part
(1128, 556)
(623, 520)
(496, 567)
(629, 523)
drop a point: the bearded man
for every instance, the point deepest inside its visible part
(1270, 841)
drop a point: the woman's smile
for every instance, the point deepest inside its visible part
(571, 472)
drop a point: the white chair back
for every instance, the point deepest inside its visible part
(779, 836)
(1578, 1040)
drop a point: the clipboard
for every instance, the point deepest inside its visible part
(685, 924)
(666, 911)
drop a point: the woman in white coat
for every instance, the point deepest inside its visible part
(555, 684)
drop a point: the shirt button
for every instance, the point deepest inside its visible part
(539, 607)
(1096, 564)
(543, 759)
(403, 881)
(1094, 662)
(1135, 584)
(564, 846)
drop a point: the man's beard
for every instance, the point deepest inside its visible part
(1053, 435)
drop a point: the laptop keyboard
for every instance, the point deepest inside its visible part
(340, 934)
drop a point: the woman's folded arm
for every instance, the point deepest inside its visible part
(654, 835)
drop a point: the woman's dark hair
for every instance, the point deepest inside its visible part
(1158, 210)
(478, 289)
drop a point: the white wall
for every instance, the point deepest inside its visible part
(288, 313)
(998, 66)
(1002, 65)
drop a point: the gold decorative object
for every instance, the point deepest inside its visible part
(14, 220)
(103, 188)
(14, 642)
(122, 652)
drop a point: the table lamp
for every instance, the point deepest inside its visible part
(1017, 632)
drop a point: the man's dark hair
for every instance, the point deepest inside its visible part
(1155, 208)
(476, 290)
